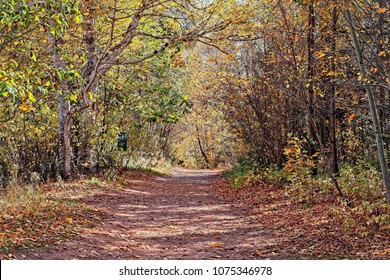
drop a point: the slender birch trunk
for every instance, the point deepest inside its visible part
(371, 101)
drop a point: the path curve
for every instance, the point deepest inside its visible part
(171, 217)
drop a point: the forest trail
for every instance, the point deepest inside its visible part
(170, 217)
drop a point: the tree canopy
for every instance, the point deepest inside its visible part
(297, 86)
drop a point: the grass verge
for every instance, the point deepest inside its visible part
(34, 216)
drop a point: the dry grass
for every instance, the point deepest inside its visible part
(32, 216)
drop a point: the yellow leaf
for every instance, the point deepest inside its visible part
(382, 53)
(78, 19)
(31, 97)
(171, 227)
(320, 54)
(33, 57)
(331, 73)
(69, 220)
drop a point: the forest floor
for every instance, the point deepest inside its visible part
(195, 215)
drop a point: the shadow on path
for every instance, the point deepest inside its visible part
(171, 217)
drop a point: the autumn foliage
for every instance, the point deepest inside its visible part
(293, 93)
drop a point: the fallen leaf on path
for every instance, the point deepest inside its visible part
(218, 245)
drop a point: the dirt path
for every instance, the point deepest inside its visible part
(171, 217)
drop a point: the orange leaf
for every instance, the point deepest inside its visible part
(219, 245)
(352, 117)
(25, 108)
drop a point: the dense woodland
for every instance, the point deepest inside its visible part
(294, 93)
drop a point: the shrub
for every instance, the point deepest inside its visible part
(246, 172)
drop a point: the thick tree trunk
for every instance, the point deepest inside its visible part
(87, 153)
(88, 117)
(64, 150)
(373, 108)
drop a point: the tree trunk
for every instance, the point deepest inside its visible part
(85, 154)
(332, 107)
(310, 81)
(380, 41)
(63, 109)
(67, 146)
(201, 148)
(373, 108)
(324, 158)
(64, 150)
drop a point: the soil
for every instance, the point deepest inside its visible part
(180, 216)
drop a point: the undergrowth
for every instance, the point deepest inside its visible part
(244, 173)
(136, 161)
(361, 183)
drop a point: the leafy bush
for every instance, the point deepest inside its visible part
(276, 176)
(246, 172)
(362, 182)
(297, 173)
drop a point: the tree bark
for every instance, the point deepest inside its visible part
(64, 146)
(88, 117)
(332, 107)
(310, 80)
(380, 41)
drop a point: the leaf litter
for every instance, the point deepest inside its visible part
(206, 220)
